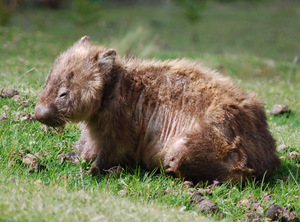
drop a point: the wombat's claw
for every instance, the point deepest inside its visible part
(94, 170)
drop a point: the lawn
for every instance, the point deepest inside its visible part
(257, 44)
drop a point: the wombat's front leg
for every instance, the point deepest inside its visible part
(88, 151)
(95, 169)
(85, 151)
(85, 147)
(103, 163)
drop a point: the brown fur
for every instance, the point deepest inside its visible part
(191, 121)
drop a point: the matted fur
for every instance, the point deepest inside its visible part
(176, 114)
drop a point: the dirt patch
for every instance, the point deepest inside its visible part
(8, 93)
(26, 117)
(24, 156)
(33, 162)
(203, 204)
(277, 213)
(25, 103)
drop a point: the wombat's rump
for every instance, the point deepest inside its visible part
(191, 121)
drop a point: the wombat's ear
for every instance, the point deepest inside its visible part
(85, 39)
(106, 60)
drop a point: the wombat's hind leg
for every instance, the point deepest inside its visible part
(191, 161)
(198, 156)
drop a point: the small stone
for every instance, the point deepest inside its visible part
(278, 109)
(293, 155)
(25, 103)
(187, 185)
(207, 205)
(281, 148)
(8, 93)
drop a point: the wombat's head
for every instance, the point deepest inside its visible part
(74, 86)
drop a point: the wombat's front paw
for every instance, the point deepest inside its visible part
(94, 170)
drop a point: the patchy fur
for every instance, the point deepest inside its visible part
(176, 114)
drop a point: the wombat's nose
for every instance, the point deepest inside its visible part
(45, 114)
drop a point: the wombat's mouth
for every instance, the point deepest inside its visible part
(48, 115)
(52, 123)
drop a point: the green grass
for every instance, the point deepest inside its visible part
(254, 43)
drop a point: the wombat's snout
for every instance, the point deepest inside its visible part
(46, 114)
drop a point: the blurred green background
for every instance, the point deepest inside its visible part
(269, 29)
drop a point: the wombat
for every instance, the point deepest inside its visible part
(176, 115)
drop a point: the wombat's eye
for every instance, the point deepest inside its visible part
(62, 95)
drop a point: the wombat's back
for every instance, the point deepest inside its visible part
(234, 121)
